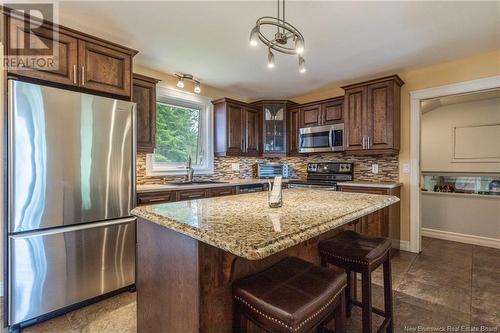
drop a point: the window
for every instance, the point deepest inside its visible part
(183, 129)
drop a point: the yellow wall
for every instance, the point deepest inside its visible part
(170, 81)
(464, 69)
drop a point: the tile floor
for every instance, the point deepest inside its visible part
(447, 284)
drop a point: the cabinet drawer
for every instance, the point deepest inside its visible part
(367, 190)
(192, 194)
(220, 191)
(157, 197)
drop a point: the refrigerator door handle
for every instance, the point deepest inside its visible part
(74, 228)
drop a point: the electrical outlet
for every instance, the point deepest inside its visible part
(406, 168)
(235, 166)
(375, 168)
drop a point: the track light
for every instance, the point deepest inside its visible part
(302, 65)
(189, 77)
(270, 59)
(180, 82)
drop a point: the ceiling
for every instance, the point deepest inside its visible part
(345, 41)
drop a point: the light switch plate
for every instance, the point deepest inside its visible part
(375, 168)
(235, 166)
(406, 168)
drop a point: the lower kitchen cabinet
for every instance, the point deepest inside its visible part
(382, 223)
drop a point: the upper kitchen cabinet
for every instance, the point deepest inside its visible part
(372, 116)
(74, 59)
(294, 123)
(144, 95)
(61, 69)
(274, 126)
(324, 112)
(105, 69)
(237, 128)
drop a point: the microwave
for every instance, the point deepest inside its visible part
(318, 139)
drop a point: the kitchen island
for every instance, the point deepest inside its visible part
(190, 252)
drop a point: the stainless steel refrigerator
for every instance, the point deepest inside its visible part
(70, 189)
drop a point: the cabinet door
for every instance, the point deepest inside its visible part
(252, 131)
(274, 129)
(311, 115)
(379, 118)
(144, 95)
(293, 131)
(332, 112)
(235, 144)
(104, 69)
(64, 64)
(355, 109)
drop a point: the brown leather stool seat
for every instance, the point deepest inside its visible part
(291, 296)
(362, 254)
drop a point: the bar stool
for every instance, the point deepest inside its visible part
(362, 254)
(291, 296)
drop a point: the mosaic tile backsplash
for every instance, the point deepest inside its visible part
(388, 167)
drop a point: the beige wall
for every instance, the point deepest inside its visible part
(437, 136)
(464, 69)
(170, 81)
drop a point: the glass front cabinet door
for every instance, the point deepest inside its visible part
(274, 129)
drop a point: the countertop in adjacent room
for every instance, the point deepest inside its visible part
(370, 184)
(245, 226)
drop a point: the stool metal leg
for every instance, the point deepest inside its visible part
(388, 294)
(366, 295)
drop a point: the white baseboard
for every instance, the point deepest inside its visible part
(462, 238)
(401, 245)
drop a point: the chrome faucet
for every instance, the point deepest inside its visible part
(189, 170)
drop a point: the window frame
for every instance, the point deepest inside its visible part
(204, 104)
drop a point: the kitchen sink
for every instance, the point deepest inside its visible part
(195, 182)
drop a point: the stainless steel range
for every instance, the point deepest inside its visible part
(324, 175)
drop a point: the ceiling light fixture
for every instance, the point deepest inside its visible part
(270, 59)
(302, 65)
(180, 81)
(285, 39)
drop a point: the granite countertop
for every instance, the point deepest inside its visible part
(172, 187)
(244, 224)
(370, 184)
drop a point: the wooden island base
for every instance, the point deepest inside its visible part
(184, 285)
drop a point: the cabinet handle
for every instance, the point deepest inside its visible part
(74, 74)
(156, 199)
(194, 196)
(363, 142)
(83, 75)
(369, 143)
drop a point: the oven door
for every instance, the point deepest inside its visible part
(321, 138)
